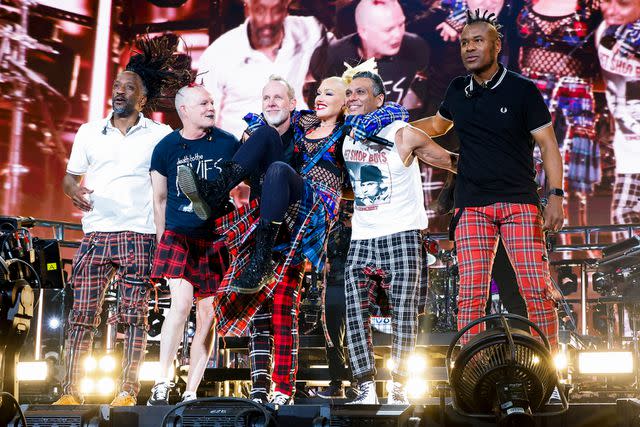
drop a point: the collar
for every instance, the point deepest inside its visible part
(142, 122)
(492, 83)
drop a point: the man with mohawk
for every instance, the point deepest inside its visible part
(498, 117)
(108, 179)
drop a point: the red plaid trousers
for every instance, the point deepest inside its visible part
(476, 235)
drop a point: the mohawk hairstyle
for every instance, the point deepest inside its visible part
(161, 69)
(485, 16)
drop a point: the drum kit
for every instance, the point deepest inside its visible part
(442, 282)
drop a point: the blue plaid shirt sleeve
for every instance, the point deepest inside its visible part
(364, 126)
(254, 121)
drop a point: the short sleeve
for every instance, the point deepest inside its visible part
(536, 112)
(159, 158)
(445, 106)
(79, 158)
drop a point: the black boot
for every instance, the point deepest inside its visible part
(259, 270)
(210, 197)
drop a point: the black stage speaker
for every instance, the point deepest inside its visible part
(373, 415)
(48, 263)
(61, 416)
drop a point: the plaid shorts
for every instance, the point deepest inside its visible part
(200, 262)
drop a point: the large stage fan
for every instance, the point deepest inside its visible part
(504, 373)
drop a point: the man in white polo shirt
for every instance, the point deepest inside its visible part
(108, 179)
(270, 42)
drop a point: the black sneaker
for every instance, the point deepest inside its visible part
(332, 392)
(160, 394)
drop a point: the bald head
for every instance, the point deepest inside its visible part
(194, 105)
(381, 27)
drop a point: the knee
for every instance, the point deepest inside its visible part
(277, 171)
(181, 307)
(267, 135)
(205, 310)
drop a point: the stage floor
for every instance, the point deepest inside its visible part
(311, 412)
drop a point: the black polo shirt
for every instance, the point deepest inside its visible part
(494, 123)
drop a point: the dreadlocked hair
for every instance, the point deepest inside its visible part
(161, 69)
(485, 16)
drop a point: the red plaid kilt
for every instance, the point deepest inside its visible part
(201, 262)
(234, 311)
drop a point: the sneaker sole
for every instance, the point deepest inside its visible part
(187, 181)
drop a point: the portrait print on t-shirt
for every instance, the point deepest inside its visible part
(372, 184)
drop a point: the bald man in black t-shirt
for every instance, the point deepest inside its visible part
(400, 56)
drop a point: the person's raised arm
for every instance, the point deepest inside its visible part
(414, 142)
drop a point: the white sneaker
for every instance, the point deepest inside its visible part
(281, 399)
(366, 394)
(398, 395)
(188, 395)
(160, 394)
(555, 396)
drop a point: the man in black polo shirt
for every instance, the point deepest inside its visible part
(498, 116)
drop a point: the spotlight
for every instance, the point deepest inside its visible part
(87, 386)
(502, 373)
(416, 364)
(561, 361)
(106, 386)
(390, 364)
(107, 363)
(32, 371)
(417, 387)
(90, 364)
(605, 362)
(567, 280)
(602, 283)
(54, 323)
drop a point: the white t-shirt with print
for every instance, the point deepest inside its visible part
(388, 194)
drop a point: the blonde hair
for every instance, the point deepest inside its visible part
(290, 91)
(368, 65)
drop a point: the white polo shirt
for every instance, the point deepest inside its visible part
(116, 168)
(235, 73)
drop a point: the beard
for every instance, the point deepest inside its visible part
(124, 110)
(276, 119)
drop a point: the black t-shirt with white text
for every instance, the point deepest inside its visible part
(495, 124)
(397, 71)
(203, 156)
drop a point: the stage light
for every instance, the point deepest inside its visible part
(106, 386)
(90, 364)
(388, 385)
(561, 361)
(605, 362)
(87, 386)
(107, 363)
(416, 364)
(502, 373)
(32, 371)
(149, 371)
(390, 364)
(417, 387)
(54, 323)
